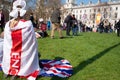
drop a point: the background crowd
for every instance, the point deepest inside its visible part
(70, 24)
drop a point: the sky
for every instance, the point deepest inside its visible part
(86, 1)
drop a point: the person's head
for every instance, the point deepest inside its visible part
(41, 20)
(18, 9)
(73, 15)
(31, 14)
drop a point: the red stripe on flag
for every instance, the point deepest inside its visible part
(34, 74)
(62, 66)
(15, 55)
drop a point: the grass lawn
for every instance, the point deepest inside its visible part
(94, 56)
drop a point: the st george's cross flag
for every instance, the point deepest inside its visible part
(20, 53)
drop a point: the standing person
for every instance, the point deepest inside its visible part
(118, 28)
(33, 21)
(115, 26)
(31, 17)
(55, 19)
(106, 26)
(101, 27)
(48, 25)
(20, 53)
(2, 20)
(68, 21)
(74, 26)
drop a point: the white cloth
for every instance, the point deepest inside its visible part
(14, 12)
(20, 53)
(22, 3)
(1, 50)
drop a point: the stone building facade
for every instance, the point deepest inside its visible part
(91, 14)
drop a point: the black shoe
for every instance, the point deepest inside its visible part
(68, 35)
(61, 37)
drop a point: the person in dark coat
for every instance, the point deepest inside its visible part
(74, 26)
(56, 19)
(2, 20)
(68, 21)
(33, 20)
(101, 27)
(118, 28)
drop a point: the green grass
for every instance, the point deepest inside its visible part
(94, 56)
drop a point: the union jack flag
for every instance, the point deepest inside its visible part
(60, 68)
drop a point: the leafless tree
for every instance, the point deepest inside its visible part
(44, 8)
(40, 8)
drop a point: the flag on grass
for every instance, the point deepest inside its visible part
(60, 68)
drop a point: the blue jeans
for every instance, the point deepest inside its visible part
(74, 30)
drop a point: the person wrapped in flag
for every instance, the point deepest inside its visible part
(20, 53)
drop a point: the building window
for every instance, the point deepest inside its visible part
(104, 9)
(76, 16)
(90, 10)
(110, 8)
(116, 8)
(80, 16)
(90, 17)
(116, 15)
(80, 11)
(98, 9)
(93, 16)
(76, 11)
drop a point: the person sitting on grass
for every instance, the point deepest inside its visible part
(42, 32)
